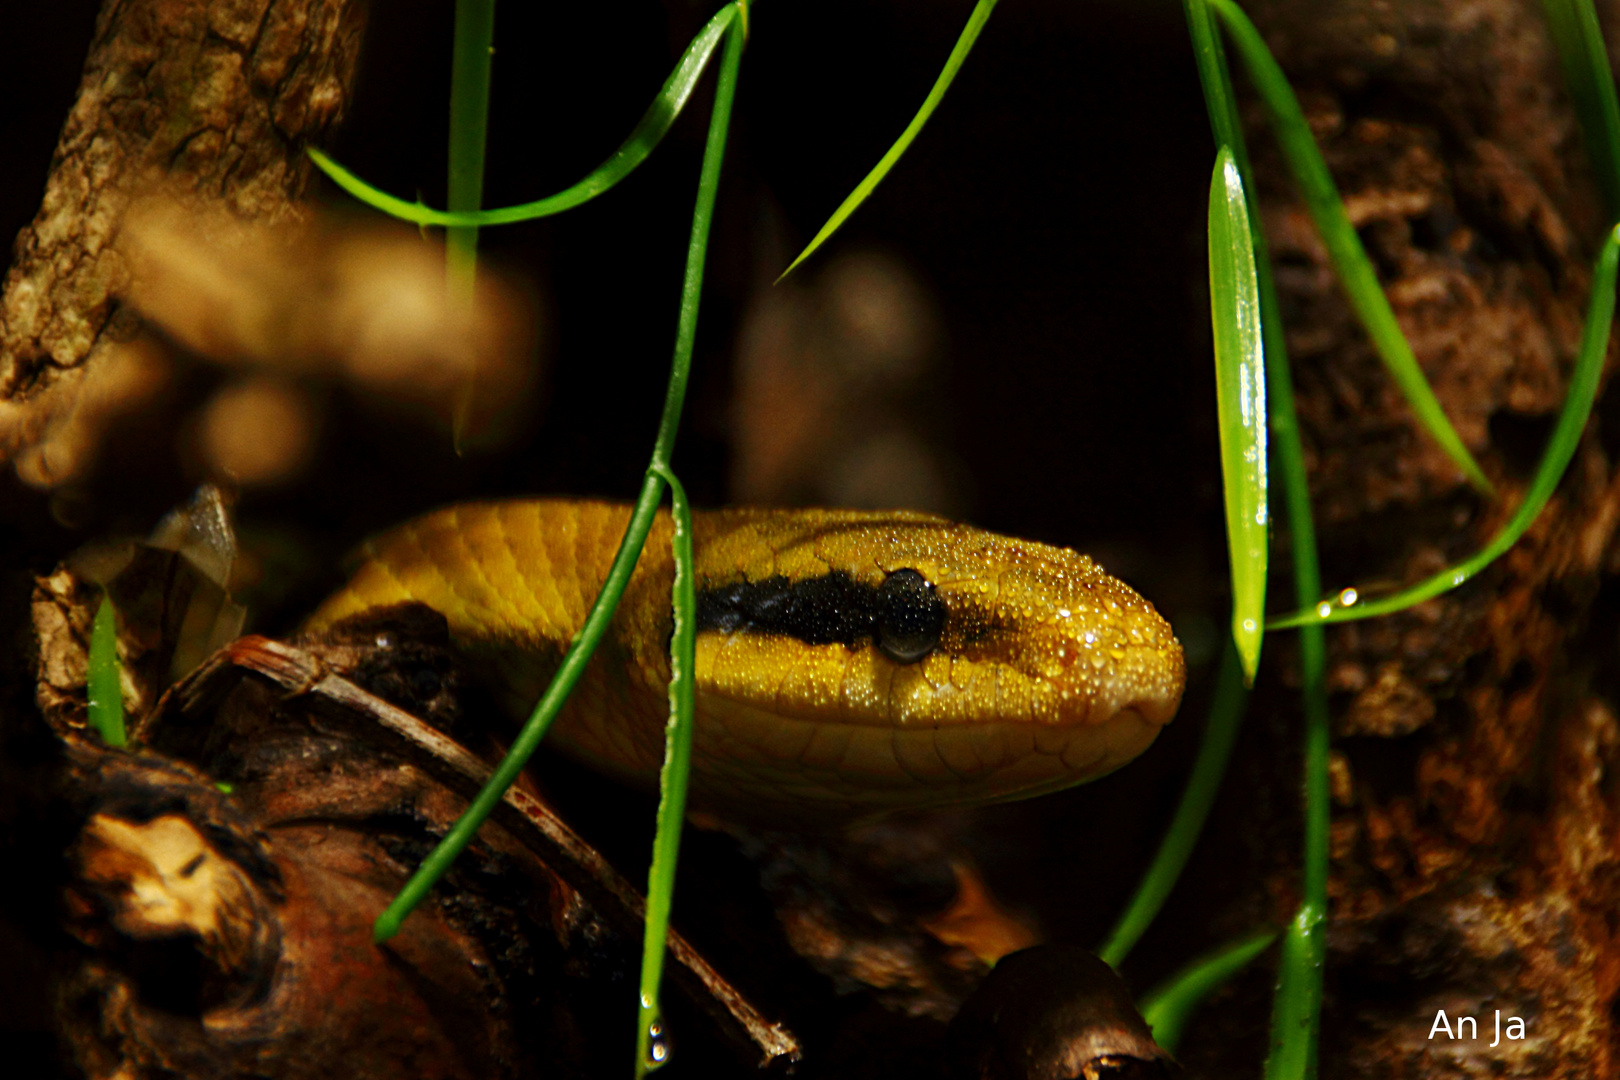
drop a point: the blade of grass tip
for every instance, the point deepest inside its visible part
(1296, 1006)
(1297, 1002)
(651, 1048)
(104, 685)
(1240, 393)
(1220, 99)
(1555, 459)
(641, 142)
(1168, 1006)
(1339, 236)
(1214, 751)
(471, 53)
(953, 64)
(1573, 25)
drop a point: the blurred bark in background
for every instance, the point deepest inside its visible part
(216, 100)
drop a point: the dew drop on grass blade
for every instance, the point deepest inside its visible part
(1561, 446)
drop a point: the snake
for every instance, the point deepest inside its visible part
(849, 664)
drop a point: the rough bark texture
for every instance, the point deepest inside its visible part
(1476, 838)
(216, 98)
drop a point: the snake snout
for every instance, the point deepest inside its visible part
(1147, 683)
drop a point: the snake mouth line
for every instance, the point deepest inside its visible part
(786, 770)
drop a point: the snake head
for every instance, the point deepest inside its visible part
(849, 663)
(859, 663)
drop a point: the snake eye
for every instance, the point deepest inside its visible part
(910, 616)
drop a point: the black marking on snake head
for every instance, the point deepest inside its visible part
(903, 615)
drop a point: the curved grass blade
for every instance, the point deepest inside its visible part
(104, 685)
(646, 135)
(1339, 236)
(1554, 460)
(635, 535)
(1214, 751)
(1168, 1006)
(652, 1050)
(1240, 394)
(1573, 25)
(1295, 1011)
(455, 841)
(953, 64)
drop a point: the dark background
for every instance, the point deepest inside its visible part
(1053, 208)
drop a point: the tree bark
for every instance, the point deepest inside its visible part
(213, 98)
(1476, 833)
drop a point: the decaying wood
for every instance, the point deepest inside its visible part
(218, 99)
(215, 947)
(526, 817)
(218, 926)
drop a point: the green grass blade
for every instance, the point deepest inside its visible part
(1214, 751)
(1297, 1007)
(469, 129)
(103, 684)
(1339, 236)
(1295, 1013)
(1575, 33)
(678, 748)
(646, 135)
(652, 1050)
(624, 562)
(1555, 459)
(455, 841)
(953, 64)
(1168, 1006)
(1240, 394)
(1219, 98)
